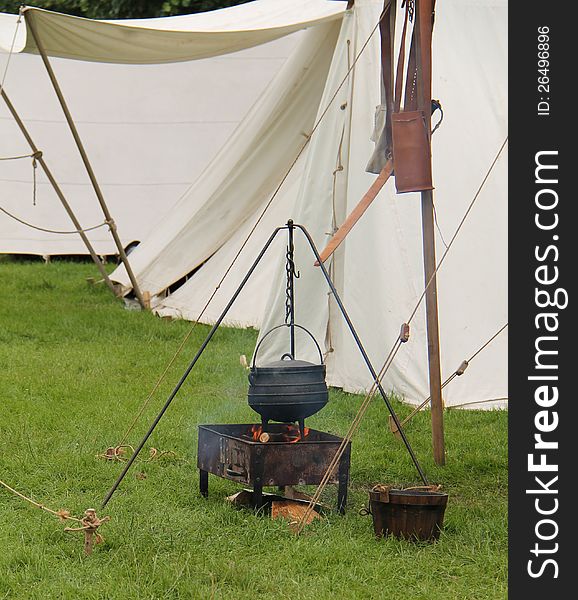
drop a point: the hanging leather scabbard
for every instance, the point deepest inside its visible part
(411, 152)
(410, 136)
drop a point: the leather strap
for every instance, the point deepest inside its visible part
(424, 25)
(387, 36)
(410, 97)
(401, 62)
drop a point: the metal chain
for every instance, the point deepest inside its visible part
(291, 273)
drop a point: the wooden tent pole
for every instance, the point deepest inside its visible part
(112, 226)
(61, 197)
(433, 339)
(424, 27)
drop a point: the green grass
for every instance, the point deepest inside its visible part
(75, 366)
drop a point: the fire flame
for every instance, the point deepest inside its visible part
(290, 435)
(256, 431)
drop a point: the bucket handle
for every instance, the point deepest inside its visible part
(287, 354)
(425, 488)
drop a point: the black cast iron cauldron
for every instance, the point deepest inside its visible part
(287, 390)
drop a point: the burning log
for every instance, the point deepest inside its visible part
(290, 434)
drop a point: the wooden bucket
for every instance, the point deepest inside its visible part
(413, 514)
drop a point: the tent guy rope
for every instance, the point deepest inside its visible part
(11, 50)
(58, 231)
(503, 399)
(460, 225)
(457, 373)
(18, 157)
(404, 336)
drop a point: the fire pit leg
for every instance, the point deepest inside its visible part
(258, 479)
(343, 480)
(204, 483)
(257, 495)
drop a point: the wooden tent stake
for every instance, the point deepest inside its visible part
(58, 191)
(112, 226)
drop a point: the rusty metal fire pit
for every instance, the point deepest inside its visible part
(235, 452)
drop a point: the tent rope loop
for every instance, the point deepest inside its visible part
(89, 522)
(118, 453)
(34, 167)
(35, 156)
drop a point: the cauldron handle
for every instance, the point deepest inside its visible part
(286, 325)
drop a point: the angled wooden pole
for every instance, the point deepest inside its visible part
(423, 32)
(61, 197)
(357, 212)
(110, 221)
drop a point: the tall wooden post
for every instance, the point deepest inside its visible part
(423, 33)
(112, 225)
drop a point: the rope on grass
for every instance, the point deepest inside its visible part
(251, 232)
(89, 523)
(62, 514)
(118, 453)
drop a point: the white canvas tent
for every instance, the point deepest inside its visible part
(378, 269)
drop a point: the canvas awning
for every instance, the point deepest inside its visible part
(167, 39)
